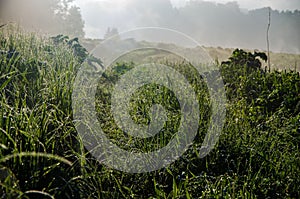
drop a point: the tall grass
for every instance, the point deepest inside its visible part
(36, 121)
(42, 156)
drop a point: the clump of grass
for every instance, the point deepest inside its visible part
(37, 135)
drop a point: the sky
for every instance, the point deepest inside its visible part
(202, 23)
(253, 4)
(224, 23)
(246, 4)
(116, 10)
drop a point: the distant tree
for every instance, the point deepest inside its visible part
(74, 23)
(112, 33)
(47, 16)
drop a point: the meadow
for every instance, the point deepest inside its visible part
(42, 155)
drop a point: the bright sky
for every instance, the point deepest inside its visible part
(113, 13)
(247, 4)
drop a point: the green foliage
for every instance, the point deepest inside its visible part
(79, 51)
(41, 155)
(241, 66)
(35, 115)
(241, 58)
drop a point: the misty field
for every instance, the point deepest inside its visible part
(42, 156)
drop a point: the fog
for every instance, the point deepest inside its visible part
(43, 16)
(210, 23)
(221, 23)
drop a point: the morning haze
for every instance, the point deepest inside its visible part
(211, 24)
(222, 23)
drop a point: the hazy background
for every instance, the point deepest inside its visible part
(215, 23)
(225, 23)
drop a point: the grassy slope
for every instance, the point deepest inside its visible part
(279, 61)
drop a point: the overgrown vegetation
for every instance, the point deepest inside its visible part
(41, 155)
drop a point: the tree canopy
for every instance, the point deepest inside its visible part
(47, 16)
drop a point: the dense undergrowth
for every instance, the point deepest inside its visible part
(41, 155)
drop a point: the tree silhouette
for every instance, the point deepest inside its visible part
(46, 16)
(112, 33)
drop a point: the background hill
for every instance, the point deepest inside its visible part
(280, 61)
